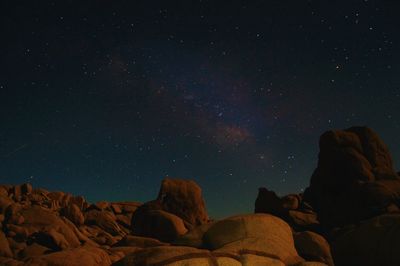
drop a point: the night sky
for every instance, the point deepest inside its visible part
(106, 98)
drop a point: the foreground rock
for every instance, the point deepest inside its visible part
(374, 242)
(355, 178)
(86, 255)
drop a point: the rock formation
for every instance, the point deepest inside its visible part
(349, 215)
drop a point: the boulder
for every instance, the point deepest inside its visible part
(85, 255)
(268, 202)
(313, 247)
(259, 233)
(74, 214)
(187, 256)
(349, 183)
(374, 242)
(157, 224)
(38, 219)
(51, 239)
(105, 220)
(184, 199)
(193, 238)
(33, 250)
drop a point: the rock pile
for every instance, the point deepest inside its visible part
(349, 215)
(353, 200)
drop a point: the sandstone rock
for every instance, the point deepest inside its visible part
(157, 224)
(33, 250)
(193, 238)
(103, 205)
(3, 191)
(302, 220)
(39, 219)
(85, 255)
(51, 239)
(125, 249)
(105, 220)
(116, 208)
(124, 219)
(79, 201)
(74, 214)
(374, 242)
(313, 247)
(4, 203)
(251, 259)
(261, 233)
(16, 246)
(127, 207)
(343, 187)
(183, 198)
(141, 242)
(186, 256)
(5, 250)
(162, 256)
(9, 262)
(268, 202)
(13, 214)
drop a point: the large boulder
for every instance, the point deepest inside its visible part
(183, 198)
(158, 224)
(38, 219)
(374, 242)
(85, 255)
(313, 247)
(259, 233)
(351, 181)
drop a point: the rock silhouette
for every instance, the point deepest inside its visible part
(349, 215)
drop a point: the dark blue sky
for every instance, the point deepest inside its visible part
(104, 99)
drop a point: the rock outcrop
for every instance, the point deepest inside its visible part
(349, 215)
(354, 179)
(178, 207)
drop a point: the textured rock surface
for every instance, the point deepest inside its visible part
(86, 255)
(234, 234)
(184, 199)
(313, 247)
(158, 224)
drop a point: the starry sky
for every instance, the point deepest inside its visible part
(106, 98)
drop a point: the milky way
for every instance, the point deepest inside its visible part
(106, 100)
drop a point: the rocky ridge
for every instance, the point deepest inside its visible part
(349, 215)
